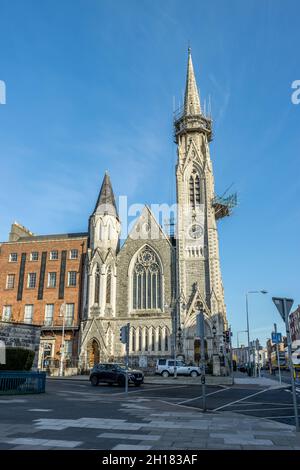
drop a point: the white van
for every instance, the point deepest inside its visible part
(165, 367)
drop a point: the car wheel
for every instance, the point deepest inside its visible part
(194, 373)
(165, 373)
(94, 381)
(137, 384)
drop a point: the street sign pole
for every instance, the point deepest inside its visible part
(127, 357)
(277, 350)
(289, 344)
(201, 332)
(230, 352)
(284, 306)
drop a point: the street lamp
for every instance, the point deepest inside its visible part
(177, 332)
(62, 312)
(247, 313)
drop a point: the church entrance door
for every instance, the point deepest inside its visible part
(93, 353)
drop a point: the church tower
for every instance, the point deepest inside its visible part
(104, 231)
(199, 281)
(99, 296)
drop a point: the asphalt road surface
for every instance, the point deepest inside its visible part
(247, 399)
(68, 406)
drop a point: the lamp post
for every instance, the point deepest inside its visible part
(177, 332)
(62, 312)
(247, 313)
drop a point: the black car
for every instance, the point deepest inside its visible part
(112, 373)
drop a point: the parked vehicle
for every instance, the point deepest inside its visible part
(113, 373)
(165, 367)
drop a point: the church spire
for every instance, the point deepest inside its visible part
(106, 203)
(191, 98)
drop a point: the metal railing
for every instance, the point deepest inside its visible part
(19, 383)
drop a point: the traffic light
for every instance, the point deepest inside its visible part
(227, 336)
(124, 334)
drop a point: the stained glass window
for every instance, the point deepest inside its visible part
(147, 281)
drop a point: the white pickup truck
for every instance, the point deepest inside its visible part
(165, 367)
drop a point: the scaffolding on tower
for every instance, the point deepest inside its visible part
(223, 206)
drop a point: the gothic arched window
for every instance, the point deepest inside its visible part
(147, 281)
(133, 342)
(153, 339)
(97, 285)
(108, 286)
(195, 189)
(166, 339)
(146, 339)
(159, 339)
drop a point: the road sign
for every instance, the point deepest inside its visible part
(276, 338)
(279, 304)
(284, 306)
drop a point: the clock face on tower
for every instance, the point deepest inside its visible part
(196, 231)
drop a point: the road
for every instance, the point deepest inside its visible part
(73, 414)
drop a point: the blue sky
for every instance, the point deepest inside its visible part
(90, 86)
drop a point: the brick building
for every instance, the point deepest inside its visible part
(40, 284)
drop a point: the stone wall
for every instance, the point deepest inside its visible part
(21, 335)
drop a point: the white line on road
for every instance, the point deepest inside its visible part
(182, 406)
(278, 417)
(40, 410)
(200, 396)
(142, 390)
(264, 409)
(135, 437)
(241, 399)
(130, 447)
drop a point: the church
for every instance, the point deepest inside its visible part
(83, 287)
(157, 282)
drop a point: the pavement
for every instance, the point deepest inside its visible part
(74, 415)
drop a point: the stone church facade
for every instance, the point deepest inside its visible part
(155, 282)
(82, 288)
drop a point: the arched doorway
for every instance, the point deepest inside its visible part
(93, 351)
(197, 350)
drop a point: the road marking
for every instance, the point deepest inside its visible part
(241, 399)
(13, 400)
(39, 410)
(130, 447)
(278, 417)
(264, 409)
(182, 406)
(43, 442)
(262, 403)
(143, 390)
(135, 437)
(196, 398)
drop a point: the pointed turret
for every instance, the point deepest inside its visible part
(104, 224)
(190, 117)
(106, 204)
(191, 97)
